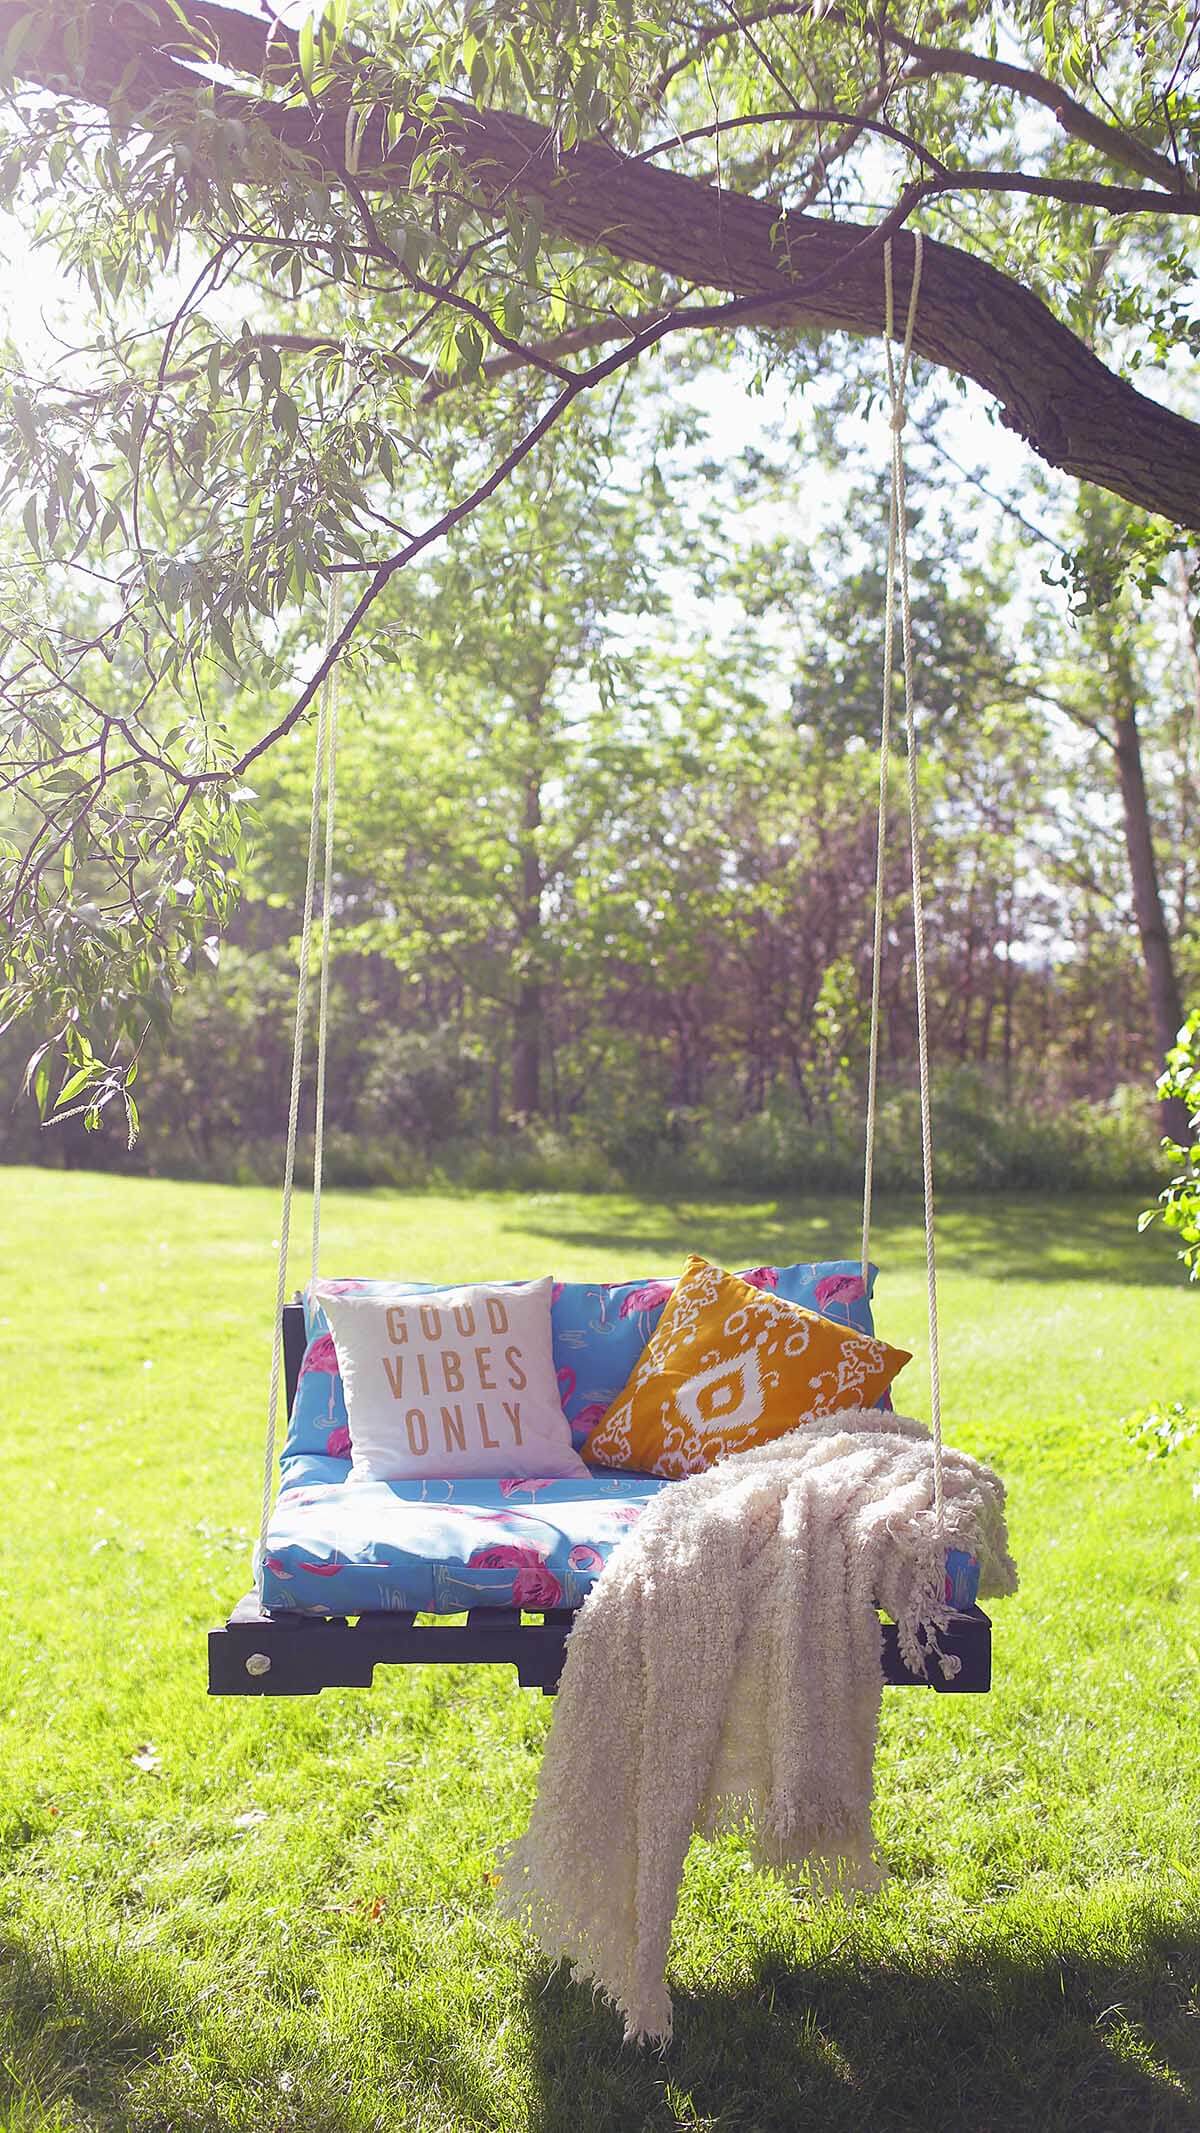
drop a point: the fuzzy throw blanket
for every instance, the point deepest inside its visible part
(726, 1669)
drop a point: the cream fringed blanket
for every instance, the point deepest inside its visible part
(727, 1663)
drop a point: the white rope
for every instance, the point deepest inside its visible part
(324, 705)
(897, 567)
(333, 625)
(885, 752)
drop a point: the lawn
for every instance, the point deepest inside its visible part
(280, 1915)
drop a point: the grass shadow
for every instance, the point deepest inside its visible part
(1033, 1240)
(987, 2043)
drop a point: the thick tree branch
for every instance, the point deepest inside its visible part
(795, 270)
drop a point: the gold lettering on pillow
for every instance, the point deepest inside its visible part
(497, 1315)
(454, 1428)
(397, 1326)
(516, 1376)
(418, 1433)
(394, 1365)
(483, 1363)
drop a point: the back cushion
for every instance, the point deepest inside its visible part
(601, 1328)
(598, 1329)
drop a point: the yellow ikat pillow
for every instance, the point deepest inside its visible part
(729, 1366)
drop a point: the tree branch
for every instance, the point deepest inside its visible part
(794, 270)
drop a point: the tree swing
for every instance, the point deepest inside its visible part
(269, 1652)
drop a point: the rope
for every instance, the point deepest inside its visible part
(897, 567)
(326, 705)
(330, 694)
(885, 753)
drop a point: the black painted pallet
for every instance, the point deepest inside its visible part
(299, 1655)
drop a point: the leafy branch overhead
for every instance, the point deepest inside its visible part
(343, 278)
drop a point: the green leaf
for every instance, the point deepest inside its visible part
(307, 52)
(77, 1081)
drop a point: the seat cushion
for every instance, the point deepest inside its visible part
(347, 1548)
(336, 1547)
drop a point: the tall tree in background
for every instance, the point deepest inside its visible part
(1116, 677)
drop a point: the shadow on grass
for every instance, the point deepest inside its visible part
(987, 2044)
(1035, 1239)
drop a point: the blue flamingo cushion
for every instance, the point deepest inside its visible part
(337, 1548)
(598, 1332)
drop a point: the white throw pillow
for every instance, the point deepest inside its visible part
(456, 1382)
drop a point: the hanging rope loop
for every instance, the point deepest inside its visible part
(323, 787)
(898, 574)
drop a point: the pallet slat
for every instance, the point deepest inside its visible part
(299, 1655)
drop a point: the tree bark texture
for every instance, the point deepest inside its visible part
(1166, 1009)
(787, 271)
(527, 1009)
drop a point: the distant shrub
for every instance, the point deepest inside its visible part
(981, 1144)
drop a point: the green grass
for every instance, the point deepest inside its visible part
(281, 1917)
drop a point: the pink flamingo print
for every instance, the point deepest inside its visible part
(512, 1484)
(320, 1355)
(566, 1384)
(762, 1277)
(584, 1557)
(839, 1288)
(646, 1298)
(588, 1416)
(321, 1570)
(505, 1555)
(536, 1588)
(338, 1445)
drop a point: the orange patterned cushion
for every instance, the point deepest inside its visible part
(729, 1366)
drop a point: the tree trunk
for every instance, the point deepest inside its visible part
(527, 1011)
(1166, 1010)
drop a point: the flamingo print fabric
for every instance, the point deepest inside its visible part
(598, 1333)
(452, 1383)
(336, 1547)
(344, 1548)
